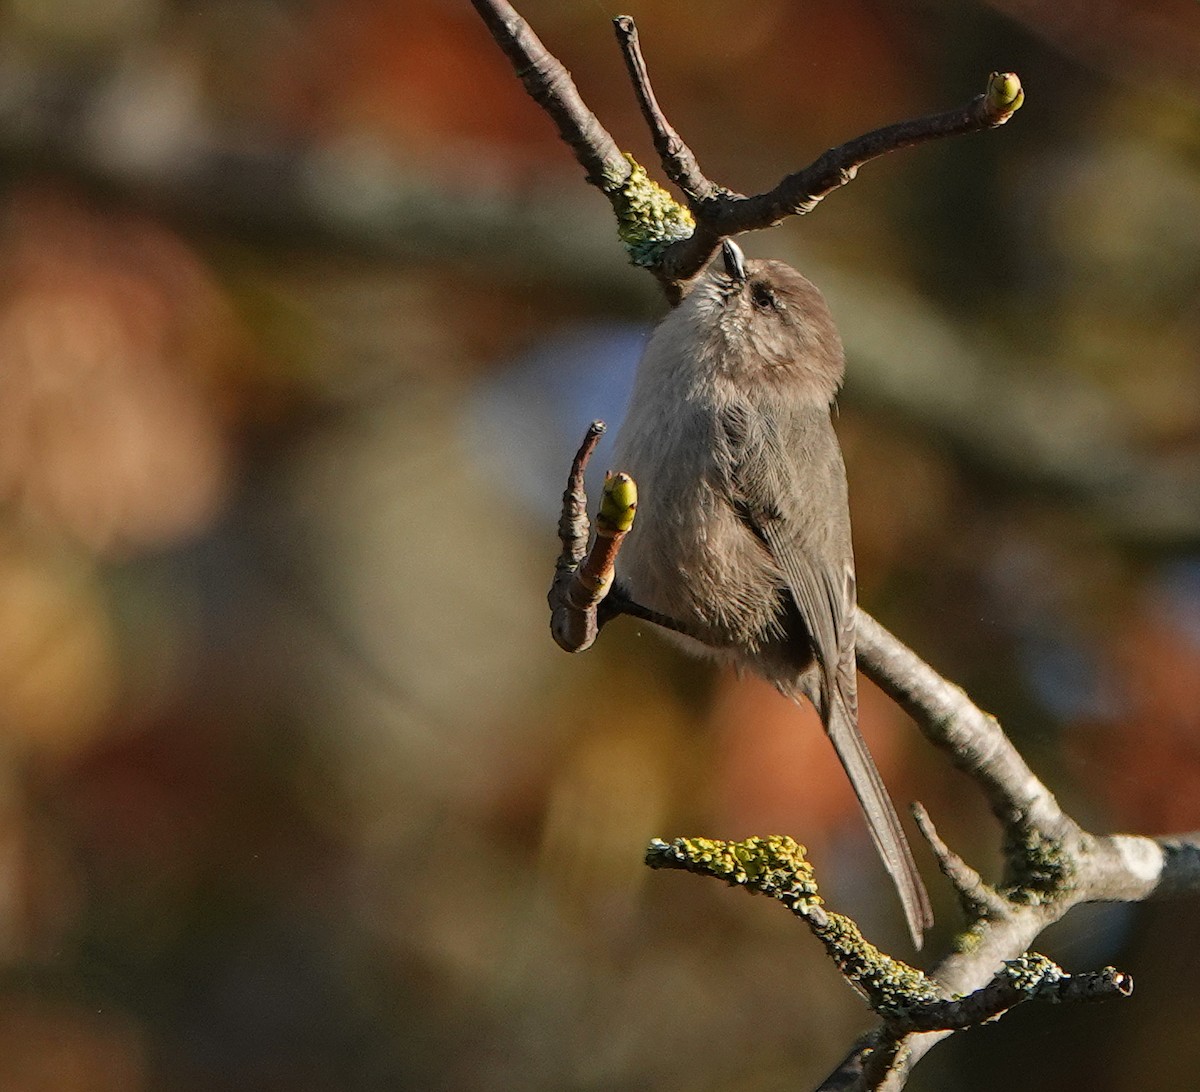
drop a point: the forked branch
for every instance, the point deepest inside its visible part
(676, 241)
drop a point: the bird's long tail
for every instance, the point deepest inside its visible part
(841, 724)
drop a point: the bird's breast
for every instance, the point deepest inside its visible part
(689, 555)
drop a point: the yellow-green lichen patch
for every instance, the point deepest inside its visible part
(968, 940)
(648, 218)
(890, 985)
(1030, 972)
(1041, 870)
(774, 865)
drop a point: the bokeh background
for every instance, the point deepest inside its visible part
(303, 309)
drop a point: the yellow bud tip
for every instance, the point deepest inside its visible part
(618, 503)
(1004, 92)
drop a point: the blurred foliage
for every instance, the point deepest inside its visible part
(295, 791)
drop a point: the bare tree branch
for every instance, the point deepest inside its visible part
(678, 160)
(1052, 865)
(801, 192)
(1029, 978)
(1114, 868)
(908, 1000)
(582, 577)
(728, 214)
(978, 899)
(713, 213)
(550, 85)
(952, 722)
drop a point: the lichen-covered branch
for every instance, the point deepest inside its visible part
(908, 1000)
(674, 241)
(1030, 977)
(777, 866)
(649, 220)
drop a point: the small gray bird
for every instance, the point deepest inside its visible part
(743, 528)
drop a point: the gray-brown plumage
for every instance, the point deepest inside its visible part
(743, 528)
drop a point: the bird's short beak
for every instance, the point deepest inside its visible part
(735, 261)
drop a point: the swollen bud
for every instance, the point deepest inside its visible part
(1004, 94)
(618, 504)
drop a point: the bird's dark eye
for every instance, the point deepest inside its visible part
(762, 297)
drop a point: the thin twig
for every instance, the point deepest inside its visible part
(801, 192)
(573, 526)
(1032, 977)
(678, 160)
(729, 214)
(977, 898)
(573, 628)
